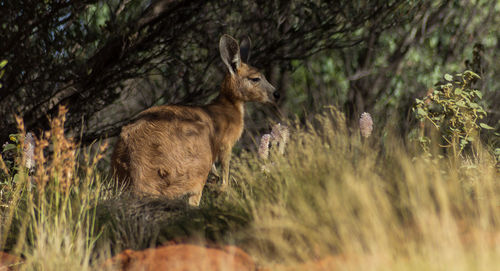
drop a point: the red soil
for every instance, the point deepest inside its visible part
(183, 257)
(9, 262)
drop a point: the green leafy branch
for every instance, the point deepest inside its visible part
(454, 110)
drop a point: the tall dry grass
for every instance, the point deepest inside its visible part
(49, 213)
(372, 201)
(333, 196)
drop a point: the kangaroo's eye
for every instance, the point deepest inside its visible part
(254, 79)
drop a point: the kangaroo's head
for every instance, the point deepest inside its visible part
(243, 82)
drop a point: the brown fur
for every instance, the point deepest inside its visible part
(169, 150)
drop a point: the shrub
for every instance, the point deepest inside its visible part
(454, 110)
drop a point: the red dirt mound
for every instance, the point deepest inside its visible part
(183, 258)
(9, 262)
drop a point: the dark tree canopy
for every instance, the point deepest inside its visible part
(85, 54)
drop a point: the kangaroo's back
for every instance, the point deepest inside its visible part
(169, 150)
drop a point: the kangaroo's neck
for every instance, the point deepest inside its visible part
(227, 113)
(231, 106)
(228, 105)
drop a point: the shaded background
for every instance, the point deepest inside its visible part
(108, 60)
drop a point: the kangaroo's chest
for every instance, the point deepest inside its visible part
(226, 135)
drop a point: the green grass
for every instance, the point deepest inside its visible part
(374, 202)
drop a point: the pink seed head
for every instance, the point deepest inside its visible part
(264, 146)
(366, 125)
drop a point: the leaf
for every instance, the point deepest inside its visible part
(17, 178)
(421, 112)
(448, 77)
(481, 110)
(486, 126)
(478, 94)
(472, 75)
(3, 63)
(14, 137)
(9, 147)
(474, 105)
(463, 143)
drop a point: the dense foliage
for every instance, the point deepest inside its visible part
(107, 60)
(85, 55)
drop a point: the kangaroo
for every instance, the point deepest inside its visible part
(169, 150)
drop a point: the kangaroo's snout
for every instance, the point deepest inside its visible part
(272, 95)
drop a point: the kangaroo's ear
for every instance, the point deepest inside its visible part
(230, 53)
(245, 46)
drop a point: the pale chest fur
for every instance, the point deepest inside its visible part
(228, 130)
(238, 129)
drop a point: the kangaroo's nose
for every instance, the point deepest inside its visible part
(276, 95)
